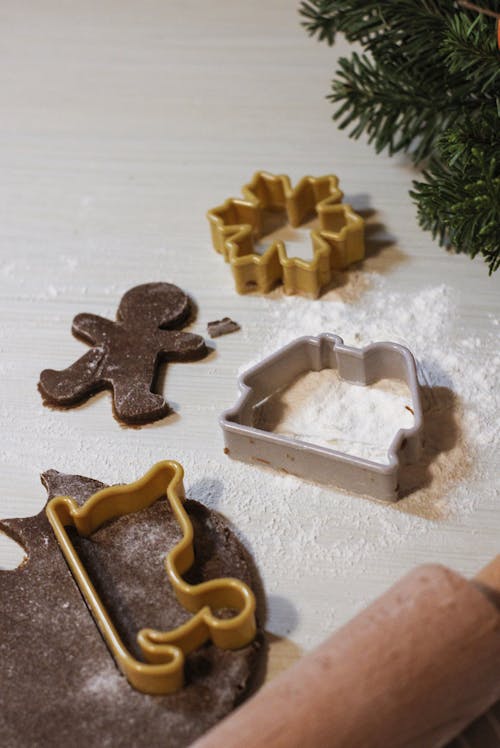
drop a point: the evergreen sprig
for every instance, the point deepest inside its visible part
(468, 171)
(427, 83)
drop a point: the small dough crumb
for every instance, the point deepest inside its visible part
(222, 327)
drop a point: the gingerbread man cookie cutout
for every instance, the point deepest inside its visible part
(126, 354)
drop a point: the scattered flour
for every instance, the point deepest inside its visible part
(320, 408)
(303, 536)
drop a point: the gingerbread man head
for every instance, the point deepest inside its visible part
(160, 305)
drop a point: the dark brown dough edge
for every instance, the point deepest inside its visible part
(136, 423)
(60, 685)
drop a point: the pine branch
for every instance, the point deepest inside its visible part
(387, 103)
(460, 200)
(428, 68)
(321, 19)
(471, 51)
(374, 24)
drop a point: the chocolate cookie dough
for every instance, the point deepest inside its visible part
(126, 354)
(223, 326)
(59, 683)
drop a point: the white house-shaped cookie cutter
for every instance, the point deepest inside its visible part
(363, 366)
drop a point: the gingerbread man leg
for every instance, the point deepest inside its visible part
(72, 385)
(135, 403)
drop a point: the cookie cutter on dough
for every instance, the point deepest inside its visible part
(239, 222)
(245, 441)
(164, 651)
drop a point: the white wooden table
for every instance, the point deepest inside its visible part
(121, 123)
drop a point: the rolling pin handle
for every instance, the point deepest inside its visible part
(488, 581)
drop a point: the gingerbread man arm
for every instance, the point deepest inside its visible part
(72, 385)
(91, 327)
(181, 346)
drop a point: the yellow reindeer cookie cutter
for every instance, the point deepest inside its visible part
(164, 651)
(239, 222)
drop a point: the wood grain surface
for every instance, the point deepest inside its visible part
(121, 124)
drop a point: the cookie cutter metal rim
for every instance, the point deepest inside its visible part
(164, 651)
(234, 224)
(363, 366)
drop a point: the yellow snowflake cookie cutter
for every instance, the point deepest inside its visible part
(164, 651)
(239, 222)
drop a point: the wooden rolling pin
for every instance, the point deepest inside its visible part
(410, 671)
